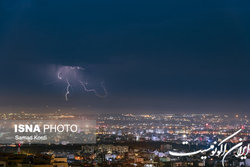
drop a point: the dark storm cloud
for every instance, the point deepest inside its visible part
(156, 56)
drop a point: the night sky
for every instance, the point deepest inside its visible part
(153, 56)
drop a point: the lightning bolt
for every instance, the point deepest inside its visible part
(84, 85)
(67, 90)
(59, 75)
(70, 74)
